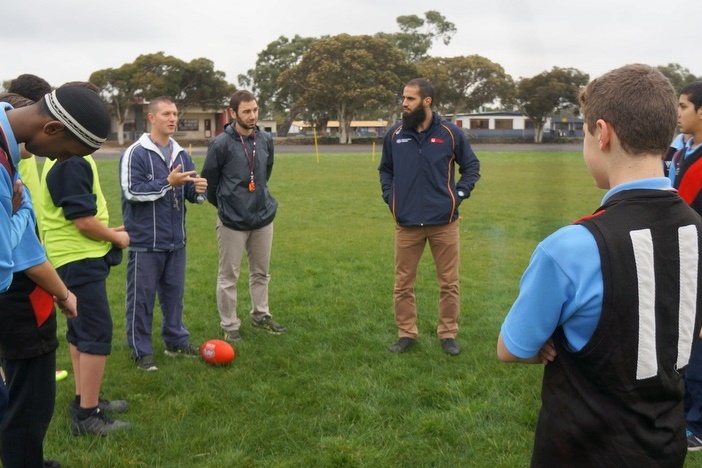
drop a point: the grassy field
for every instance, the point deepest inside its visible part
(328, 393)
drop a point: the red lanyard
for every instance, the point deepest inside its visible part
(251, 160)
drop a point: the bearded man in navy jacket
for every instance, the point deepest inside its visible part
(417, 177)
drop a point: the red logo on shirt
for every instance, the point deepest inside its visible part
(436, 140)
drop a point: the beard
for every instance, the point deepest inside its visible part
(245, 125)
(413, 118)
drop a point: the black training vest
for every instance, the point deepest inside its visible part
(619, 401)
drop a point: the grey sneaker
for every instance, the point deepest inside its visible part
(232, 336)
(110, 406)
(186, 350)
(402, 345)
(97, 423)
(269, 325)
(147, 363)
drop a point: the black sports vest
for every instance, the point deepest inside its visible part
(619, 401)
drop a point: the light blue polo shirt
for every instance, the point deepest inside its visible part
(27, 251)
(562, 286)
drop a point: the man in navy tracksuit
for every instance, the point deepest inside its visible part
(417, 177)
(157, 177)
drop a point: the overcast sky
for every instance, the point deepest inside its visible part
(69, 39)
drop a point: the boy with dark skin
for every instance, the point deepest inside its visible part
(69, 122)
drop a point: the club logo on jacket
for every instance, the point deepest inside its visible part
(436, 140)
(403, 140)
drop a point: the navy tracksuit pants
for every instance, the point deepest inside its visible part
(148, 274)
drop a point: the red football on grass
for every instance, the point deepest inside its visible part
(217, 352)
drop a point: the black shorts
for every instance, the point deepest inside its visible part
(91, 331)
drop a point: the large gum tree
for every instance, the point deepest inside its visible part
(152, 75)
(549, 92)
(348, 74)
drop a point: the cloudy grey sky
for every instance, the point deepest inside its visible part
(69, 39)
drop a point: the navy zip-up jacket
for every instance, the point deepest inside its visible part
(153, 211)
(417, 172)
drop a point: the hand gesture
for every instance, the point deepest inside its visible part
(177, 178)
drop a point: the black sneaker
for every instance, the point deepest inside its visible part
(186, 350)
(269, 325)
(51, 464)
(109, 406)
(147, 363)
(232, 336)
(694, 443)
(450, 346)
(402, 345)
(97, 423)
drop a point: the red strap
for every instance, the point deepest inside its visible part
(590, 216)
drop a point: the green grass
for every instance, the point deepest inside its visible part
(328, 393)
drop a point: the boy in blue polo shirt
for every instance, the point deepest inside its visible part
(611, 304)
(686, 174)
(67, 122)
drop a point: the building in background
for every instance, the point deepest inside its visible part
(515, 125)
(194, 123)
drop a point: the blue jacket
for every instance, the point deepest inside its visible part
(417, 172)
(152, 210)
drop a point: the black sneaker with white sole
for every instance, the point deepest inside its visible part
(269, 325)
(109, 406)
(186, 350)
(97, 423)
(147, 363)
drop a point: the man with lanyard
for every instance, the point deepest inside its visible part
(238, 165)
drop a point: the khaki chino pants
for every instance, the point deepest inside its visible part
(232, 244)
(445, 248)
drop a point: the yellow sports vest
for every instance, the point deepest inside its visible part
(63, 241)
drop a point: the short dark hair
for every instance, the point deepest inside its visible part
(638, 102)
(30, 86)
(15, 100)
(153, 104)
(240, 96)
(693, 91)
(426, 90)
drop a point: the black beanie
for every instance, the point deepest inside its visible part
(82, 111)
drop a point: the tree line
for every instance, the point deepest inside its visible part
(347, 78)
